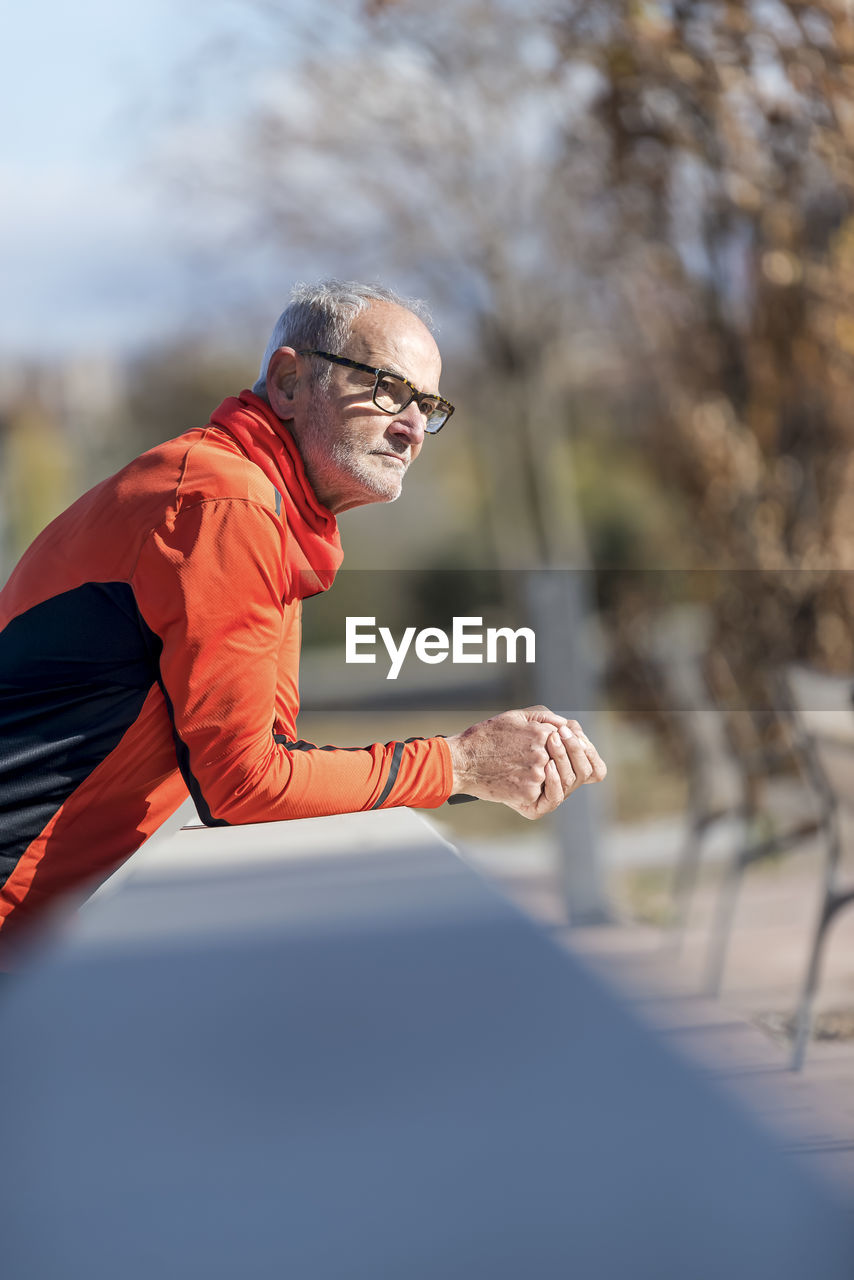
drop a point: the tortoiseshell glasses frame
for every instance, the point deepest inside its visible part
(392, 392)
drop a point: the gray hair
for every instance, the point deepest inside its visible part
(320, 317)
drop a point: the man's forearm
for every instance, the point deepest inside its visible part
(301, 780)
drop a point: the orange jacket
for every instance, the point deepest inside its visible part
(149, 644)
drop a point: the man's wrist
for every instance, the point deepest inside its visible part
(460, 764)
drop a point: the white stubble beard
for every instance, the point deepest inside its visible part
(347, 457)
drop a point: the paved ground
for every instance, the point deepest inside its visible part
(740, 1037)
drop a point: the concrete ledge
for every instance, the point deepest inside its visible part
(364, 1061)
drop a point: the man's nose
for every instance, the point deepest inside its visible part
(410, 423)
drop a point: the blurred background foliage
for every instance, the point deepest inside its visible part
(635, 223)
(637, 218)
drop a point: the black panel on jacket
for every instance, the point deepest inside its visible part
(75, 671)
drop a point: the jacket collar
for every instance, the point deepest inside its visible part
(314, 548)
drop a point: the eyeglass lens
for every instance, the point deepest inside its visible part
(392, 394)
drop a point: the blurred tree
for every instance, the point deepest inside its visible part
(428, 150)
(722, 139)
(656, 195)
(171, 389)
(423, 144)
(646, 201)
(36, 478)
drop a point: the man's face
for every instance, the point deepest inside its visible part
(353, 452)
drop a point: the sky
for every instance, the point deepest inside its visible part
(91, 256)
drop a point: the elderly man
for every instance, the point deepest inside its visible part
(149, 638)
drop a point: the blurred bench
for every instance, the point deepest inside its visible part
(821, 716)
(772, 755)
(741, 771)
(780, 807)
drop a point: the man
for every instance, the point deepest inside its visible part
(149, 638)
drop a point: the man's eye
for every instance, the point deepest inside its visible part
(391, 393)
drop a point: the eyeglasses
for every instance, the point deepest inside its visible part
(392, 392)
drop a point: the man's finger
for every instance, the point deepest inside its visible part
(543, 715)
(597, 764)
(599, 768)
(582, 766)
(552, 793)
(563, 763)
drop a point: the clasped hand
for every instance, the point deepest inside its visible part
(529, 759)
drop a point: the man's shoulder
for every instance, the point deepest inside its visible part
(207, 465)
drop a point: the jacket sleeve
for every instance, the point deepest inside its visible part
(210, 584)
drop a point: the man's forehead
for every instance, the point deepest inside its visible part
(389, 335)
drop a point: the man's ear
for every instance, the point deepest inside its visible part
(281, 381)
